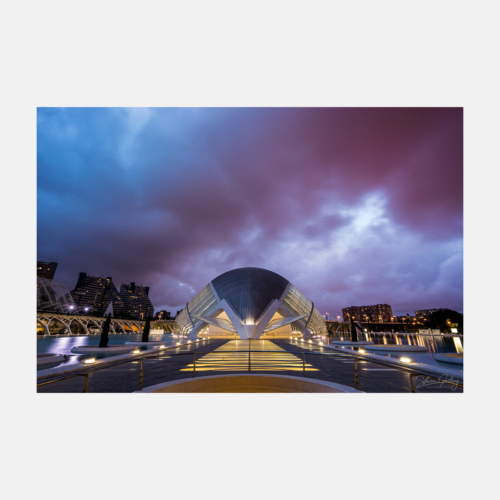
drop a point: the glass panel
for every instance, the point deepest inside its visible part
(316, 324)
(278, 323)
(198, 306)
(298, 304)
(220, 322)
(249, 290)
(183, 323)
(202, 303)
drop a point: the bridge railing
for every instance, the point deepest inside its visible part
(164, 366)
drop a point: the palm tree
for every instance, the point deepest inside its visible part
(105, 332)
(145, 332)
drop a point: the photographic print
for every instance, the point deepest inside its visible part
(293, 250)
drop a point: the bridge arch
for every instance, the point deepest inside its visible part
(92, 326)
(119, 327)
(78, 328)
(41, 328)
(127, 327)
(57, 327)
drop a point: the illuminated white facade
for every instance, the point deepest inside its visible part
(249, 302)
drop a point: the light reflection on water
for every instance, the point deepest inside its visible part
(64, 344)
(436, 344)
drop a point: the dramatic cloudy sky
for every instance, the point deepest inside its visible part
(353, 206)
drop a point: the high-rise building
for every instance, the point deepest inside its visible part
(46, 269)
(425, 313)
(96, 293)
(405, 319)
(135, 299)
(162, 315)
(374, 314)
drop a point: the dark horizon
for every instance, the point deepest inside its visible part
(355, 206)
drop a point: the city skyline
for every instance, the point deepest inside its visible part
(355, 206)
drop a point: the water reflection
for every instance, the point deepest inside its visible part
(64, 344)
(435, 344)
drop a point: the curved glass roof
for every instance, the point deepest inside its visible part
(249, 290)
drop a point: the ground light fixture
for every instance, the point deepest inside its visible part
(136, 351)
(321, 343)
(405, 360)
(310, 341)
(362, 351)
(189, 341)
(178, 343)
(89, 361)
(162, 347)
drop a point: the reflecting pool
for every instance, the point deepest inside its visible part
(62, 344)
(436, 344)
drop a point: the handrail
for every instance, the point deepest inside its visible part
(226, 356)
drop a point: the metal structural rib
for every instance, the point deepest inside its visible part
(249, 302)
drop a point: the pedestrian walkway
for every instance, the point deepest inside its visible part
(234, 356)
(338, 367)
(284, 357)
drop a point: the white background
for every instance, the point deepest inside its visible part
(439, 53)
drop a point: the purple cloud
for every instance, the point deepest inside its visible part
(354, 206)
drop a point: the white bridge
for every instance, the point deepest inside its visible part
(74, 324)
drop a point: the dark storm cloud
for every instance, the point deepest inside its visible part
(354, 206)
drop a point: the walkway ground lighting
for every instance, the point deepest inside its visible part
(178, 343)
(362, 351)
(89, 361)
(136, 351)
(405, 360)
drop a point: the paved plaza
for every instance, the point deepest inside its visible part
(243, 356)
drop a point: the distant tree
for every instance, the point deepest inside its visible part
(445, 319)
(354, 333)
(105, 332)
(145, 333)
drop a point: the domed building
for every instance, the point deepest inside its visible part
(250, 302)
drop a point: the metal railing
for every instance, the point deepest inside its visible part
(292, 361)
